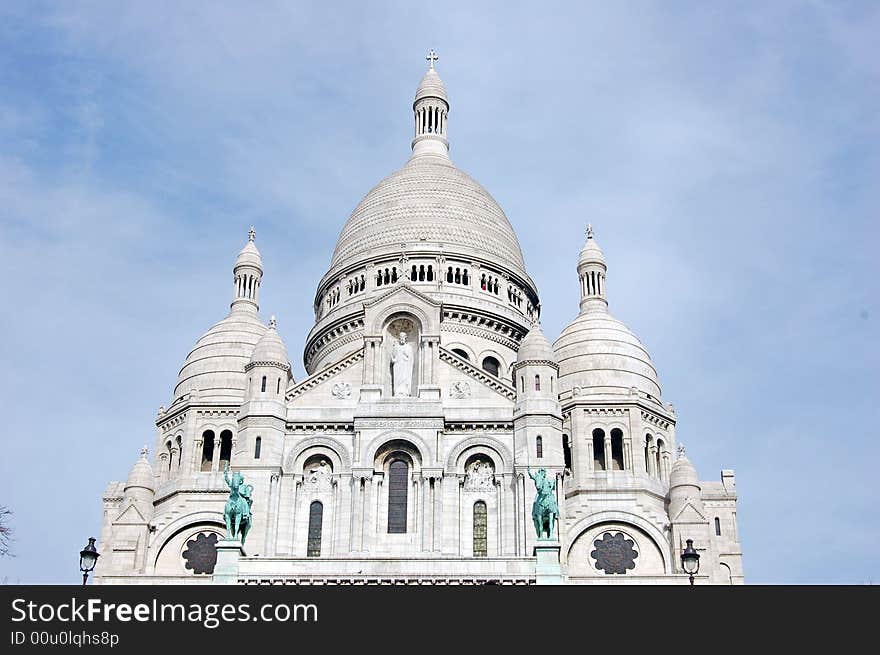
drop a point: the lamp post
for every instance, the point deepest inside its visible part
(88, 557)
(690, 560)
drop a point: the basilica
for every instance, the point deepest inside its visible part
(432, 399)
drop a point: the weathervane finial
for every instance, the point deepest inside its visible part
(432, 57)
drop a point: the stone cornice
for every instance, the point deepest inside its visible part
(283, 367)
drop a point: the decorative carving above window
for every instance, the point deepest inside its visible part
(201, 553)
(614, 553)
(317, 475)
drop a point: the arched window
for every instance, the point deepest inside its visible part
(398, 484)
(461, 353)
(225, 446)
(258, 446)
(537, 383)
(522, 383)
(599, 449)
(566, 452)
(207, 449)
(170, 455)
(316, 520)
(481, 540)
(539, 447)
(616, 449)
(278, 386)
(649, 440)
(449, 275)
(430, 273)
(413, 274)
(179, 450)
(659, 460)
(263, 386)
(491, 365)
(717, 526)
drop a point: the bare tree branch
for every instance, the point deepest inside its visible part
(5, 532)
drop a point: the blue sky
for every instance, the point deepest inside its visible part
(725, 153)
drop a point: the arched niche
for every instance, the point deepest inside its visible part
(397, 324)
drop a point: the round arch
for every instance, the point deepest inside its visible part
(368, 455)
(622, 518)
(334, 448)
(488, 445)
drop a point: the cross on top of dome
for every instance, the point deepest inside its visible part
(252, 234)
(432, 57)
(589, 230)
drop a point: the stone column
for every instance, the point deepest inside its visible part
(438, 512)
(215, 456)
(609, 462)
(499, 508)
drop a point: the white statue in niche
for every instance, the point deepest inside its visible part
(402, 366)
(319, 476)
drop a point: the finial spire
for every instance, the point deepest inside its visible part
(681, 450)
(252, 234)
(272, 322)
(432, 57)
(144, 452)
(589, 230)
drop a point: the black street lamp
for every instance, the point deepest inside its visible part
(690, 560)
(88, 557)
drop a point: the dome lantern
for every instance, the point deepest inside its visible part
(430, 108)
(247, 276)
(591, 271)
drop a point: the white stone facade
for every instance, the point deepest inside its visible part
(353, 484)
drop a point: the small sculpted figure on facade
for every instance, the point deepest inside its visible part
(402, 366)
(237, 512)
(545, 511)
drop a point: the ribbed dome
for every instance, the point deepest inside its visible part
(429, 203)
(431, 86)
(683, 474)
(270, 348)
(599, 354)
(215, 366)
(534, 346)
(249, 255)
(591, 252)
(141, 475)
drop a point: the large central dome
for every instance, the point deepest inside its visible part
(431, 203)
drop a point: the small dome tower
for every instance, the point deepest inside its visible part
(269, 369)
(537, 417)
(140, 486)
(430, 108)
(247, 274)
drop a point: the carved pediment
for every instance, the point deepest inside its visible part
(463, 389)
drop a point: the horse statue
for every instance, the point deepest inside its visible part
(545, 511)
(237, 512)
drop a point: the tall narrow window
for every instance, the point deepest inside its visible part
(481, 540)
(207, 450)
(537, 383)
(599, 449)
(278, 386)
(316, 520)
(649, 440)
(539, 447)
(659, 460)
(263, 387)
(717, 526)
(397, 491)
(258, 447)
(225, 446)
(522, 383)
(616, 449)
(566, 452)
